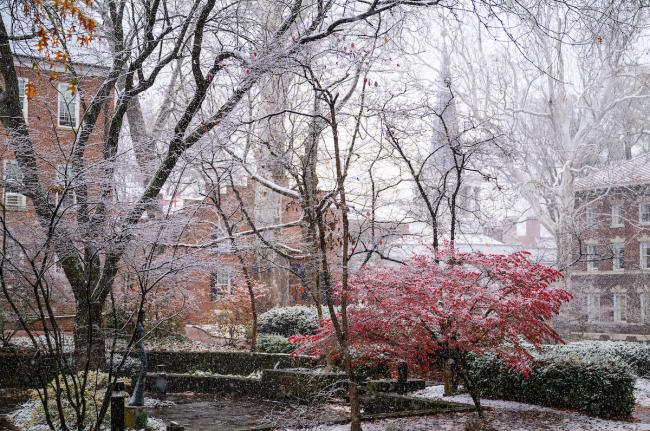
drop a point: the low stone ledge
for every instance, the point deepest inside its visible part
(390, 385)
(304, 384)
(238, 385)
(382, 403)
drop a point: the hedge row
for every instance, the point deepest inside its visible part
(636, 355)
(599, 387)
(237, 363)
(25, 370)
(273, 343)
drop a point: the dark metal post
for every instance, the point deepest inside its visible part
(117, 406)
(402, 377)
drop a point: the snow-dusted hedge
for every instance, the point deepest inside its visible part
(225, 363)
(597, 386)
(636, 355)
(273, 343)
(288, 321)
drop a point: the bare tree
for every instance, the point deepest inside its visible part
(556, 102)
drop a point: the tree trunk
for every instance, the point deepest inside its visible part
(137, 398)
(353, 394)
(89, 337)
(473, 390)
(449, 378)
(251, 295)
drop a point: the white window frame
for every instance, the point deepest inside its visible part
(593, 307)
(58, 195)
(220, 286)
(619, 304)
(642, 205)
(592, 257)
(590, 216)
(644, 252)
(62, 179)
(22, 199)
(618, 215)
(643, 306)
(279, 208)
(63, 89)
(13, 252)
(618, 261)
(24, 82)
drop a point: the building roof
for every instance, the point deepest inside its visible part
(626, 173)
(94, 59)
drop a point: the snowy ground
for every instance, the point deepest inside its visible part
(22, 417)
(512, 416)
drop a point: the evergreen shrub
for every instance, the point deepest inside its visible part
(597, 386)
(288, 321)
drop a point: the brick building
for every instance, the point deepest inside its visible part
(53, 114)
(610, 279)
(212, 270)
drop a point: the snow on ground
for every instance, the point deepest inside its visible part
(23, 417)
(513, 416)
(642, 392)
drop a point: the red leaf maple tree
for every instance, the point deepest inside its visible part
(450, 306)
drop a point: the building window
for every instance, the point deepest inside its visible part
(618, 257)
(593, 307)
(68, 106)
(590, 215)
(592, 258)
(13, 253)
(619, 307)
(13, 178)
(618, 215)
(644, 213)
(220, 284)
(643, 306)
(22, 85)
(645, 255)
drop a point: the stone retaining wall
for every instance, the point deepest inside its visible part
(238, 385)
(23, 369)
(237, 363)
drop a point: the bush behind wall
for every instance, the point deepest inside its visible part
(288, 321)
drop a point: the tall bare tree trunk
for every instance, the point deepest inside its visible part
(89, 337)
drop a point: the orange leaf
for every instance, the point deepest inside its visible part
(72, 88)
(30, 90)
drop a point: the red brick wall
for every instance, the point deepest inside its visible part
(52, 145)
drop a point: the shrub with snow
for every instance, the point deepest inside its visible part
(273, 343)
(597, 386)
(288, 321)
(636, 355)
